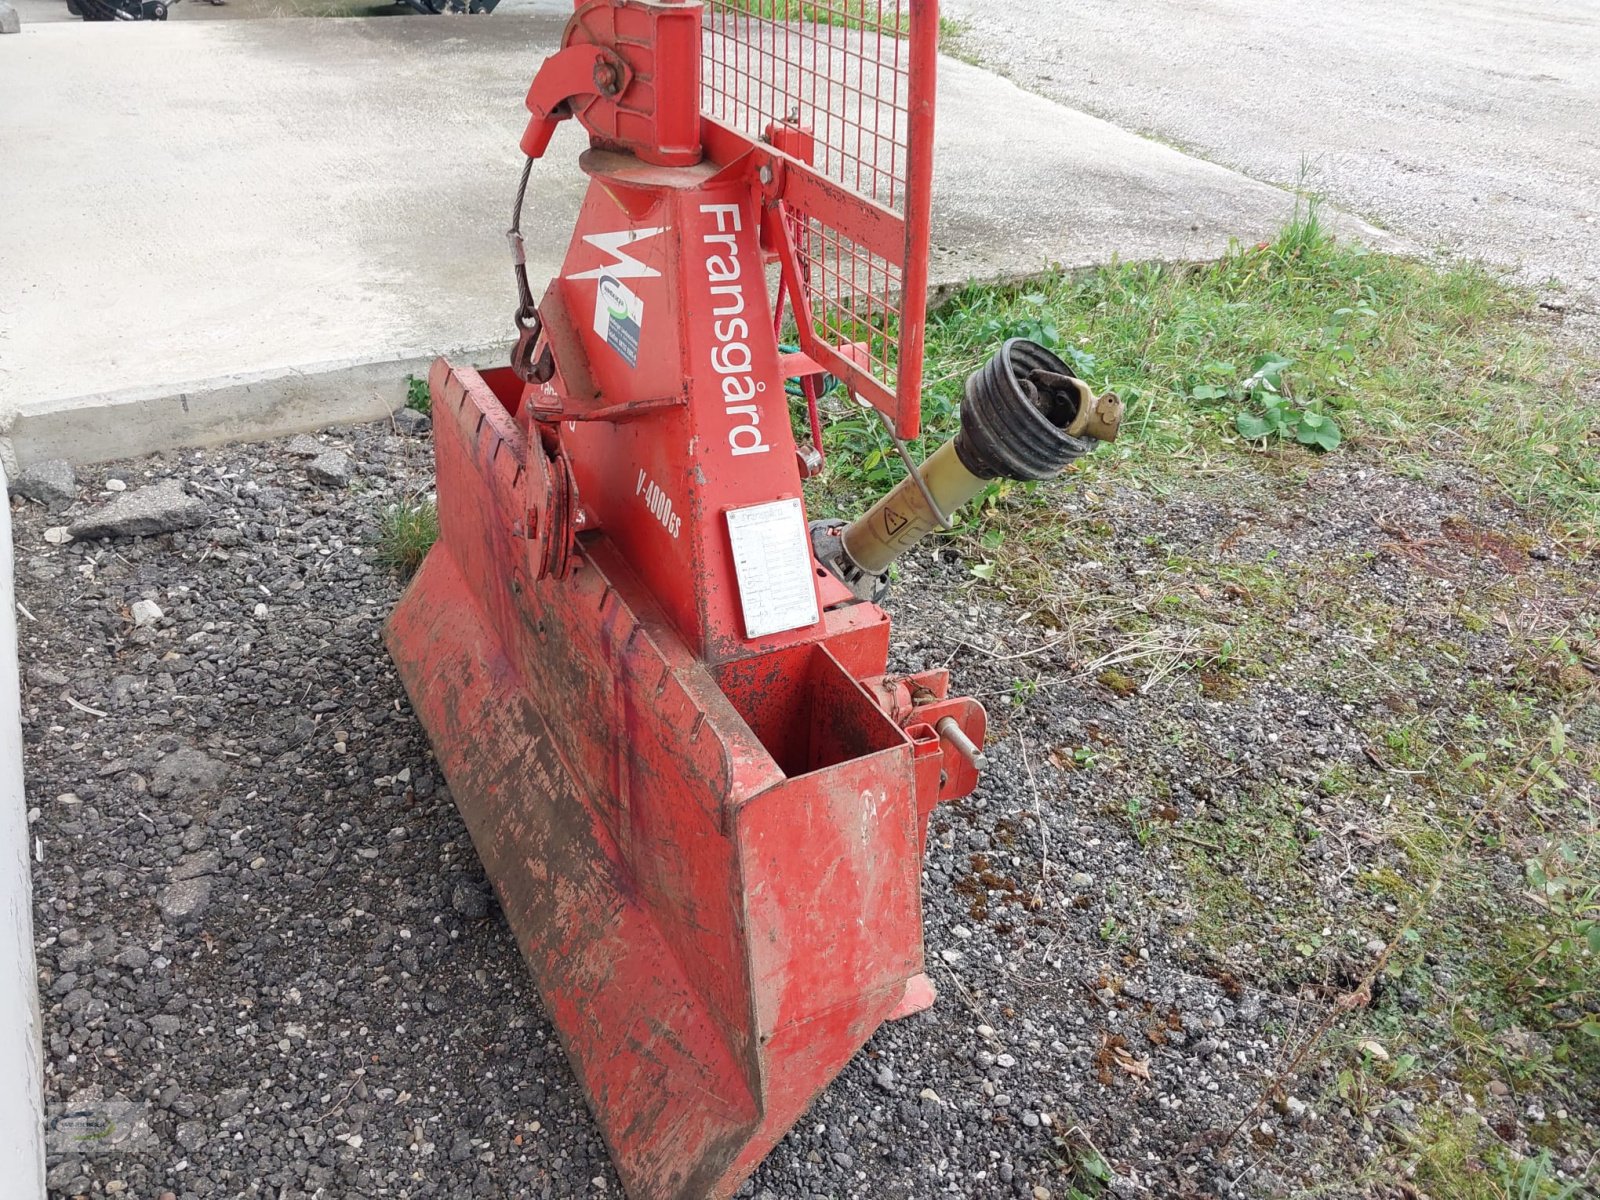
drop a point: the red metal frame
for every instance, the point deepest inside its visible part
(701, 795)
(854, 79)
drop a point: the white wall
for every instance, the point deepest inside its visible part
(21, 1107)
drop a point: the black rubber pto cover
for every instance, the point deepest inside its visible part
(1012, 416)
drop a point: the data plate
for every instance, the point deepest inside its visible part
(772, 559)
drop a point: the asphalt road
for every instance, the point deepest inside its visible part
(1471, 126)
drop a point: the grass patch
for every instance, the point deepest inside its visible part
(1453, 1155)
(1303, 339)
(1363, 738)
(849, 14)
(407, 532)
(417, 395)
(950, 34)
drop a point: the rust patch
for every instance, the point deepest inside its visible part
(984, 886)
(1216, 685)
(1485, 543)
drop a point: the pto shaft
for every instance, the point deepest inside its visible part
(1024, 416)
(903, 516)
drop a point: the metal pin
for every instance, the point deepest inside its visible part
(952, 732)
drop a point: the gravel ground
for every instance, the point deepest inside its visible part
(262, 926)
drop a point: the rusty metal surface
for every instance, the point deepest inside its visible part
(688, 907)
(705, 828)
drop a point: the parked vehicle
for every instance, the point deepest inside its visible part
(440, 7)
(119, 10)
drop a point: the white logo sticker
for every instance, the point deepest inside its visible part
(622, 264)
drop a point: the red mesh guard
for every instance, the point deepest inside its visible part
(858, 77)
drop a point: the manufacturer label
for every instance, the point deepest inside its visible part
(731, 358)
(622, 265)
(619, 317)
(772, 561)
(659, 503)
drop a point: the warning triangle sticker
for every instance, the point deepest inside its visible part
(894, 522)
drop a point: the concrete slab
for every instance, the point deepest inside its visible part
(1472, 126)
(220, 229)
(34, 12)
(247, 10)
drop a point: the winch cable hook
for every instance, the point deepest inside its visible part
(529, 326)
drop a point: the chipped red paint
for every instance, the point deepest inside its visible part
(709, 846)
(711, 869)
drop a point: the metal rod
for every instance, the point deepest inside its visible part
(914, 473)
(951, 731)
(916, 506)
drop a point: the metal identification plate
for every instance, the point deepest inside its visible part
(772, 559)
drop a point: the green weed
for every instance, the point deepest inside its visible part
(1453, 1155)
(417, 395)
(893, 18)
(408, 531)
(950, 31)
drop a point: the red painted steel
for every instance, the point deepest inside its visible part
(698, 791)
(855, 80)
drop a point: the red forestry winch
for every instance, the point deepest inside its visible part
(660, 698)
